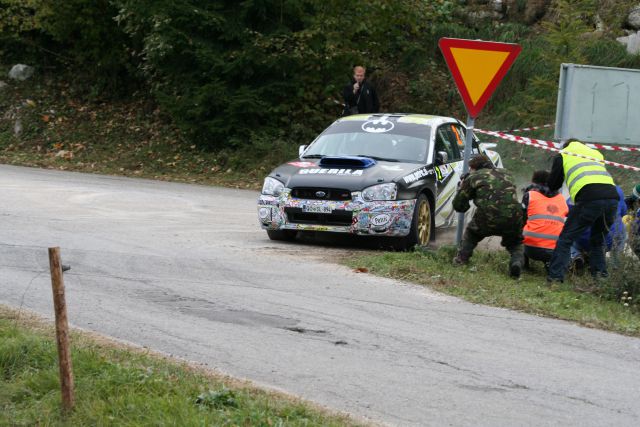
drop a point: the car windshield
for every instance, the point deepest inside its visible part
(402, 143)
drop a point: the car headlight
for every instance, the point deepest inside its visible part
(380, 192)
(272, 187)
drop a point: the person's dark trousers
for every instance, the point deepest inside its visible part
(598, 215)
(635, 244)
(511, 241)
(538, 254)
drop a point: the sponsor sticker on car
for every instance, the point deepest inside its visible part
(380, 220)
(418, 174)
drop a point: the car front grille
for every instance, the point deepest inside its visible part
(321, 193)
(337, 217)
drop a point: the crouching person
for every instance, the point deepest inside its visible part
(544, 214)
(635, 235)
(632, 220)
(498, 212)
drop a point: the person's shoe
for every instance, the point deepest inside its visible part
(515, 270)
(578, 265)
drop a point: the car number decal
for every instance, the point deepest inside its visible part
(443, 171)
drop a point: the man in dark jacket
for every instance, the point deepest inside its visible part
(359, 96)
(498, 212)
(595, 203)
(635, 234)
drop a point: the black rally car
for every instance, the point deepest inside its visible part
(382, 175)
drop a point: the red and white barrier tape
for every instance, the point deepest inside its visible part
(612, 147)
(529, 128)
(521, 139)
(551, 146)
(505, 135)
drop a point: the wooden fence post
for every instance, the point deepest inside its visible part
(62, 330)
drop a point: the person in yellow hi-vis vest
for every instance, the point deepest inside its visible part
(595, 199)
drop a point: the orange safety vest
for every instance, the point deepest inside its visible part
(545, 219)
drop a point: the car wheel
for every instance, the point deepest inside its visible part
(286, 235)
(421, 226)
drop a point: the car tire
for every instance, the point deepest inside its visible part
(283, 235)
(422, 228)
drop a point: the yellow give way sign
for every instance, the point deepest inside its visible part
(477, 67)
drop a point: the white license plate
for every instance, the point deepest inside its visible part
(317, 209)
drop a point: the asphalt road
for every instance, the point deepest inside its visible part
(185, 270)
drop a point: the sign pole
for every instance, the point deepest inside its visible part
(468, 144)
(477, 67)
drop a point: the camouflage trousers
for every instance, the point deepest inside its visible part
(511, 240)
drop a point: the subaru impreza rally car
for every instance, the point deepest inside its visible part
(389, 175)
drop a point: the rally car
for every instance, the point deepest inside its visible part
(389, 175)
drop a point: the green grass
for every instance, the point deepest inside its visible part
(115, 386)
(486, 281)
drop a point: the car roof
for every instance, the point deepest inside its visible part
(420, 119)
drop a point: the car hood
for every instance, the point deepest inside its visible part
(349, 173)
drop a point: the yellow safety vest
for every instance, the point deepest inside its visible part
(579, 171)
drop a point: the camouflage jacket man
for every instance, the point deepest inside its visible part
(498, 212)
(494, 194)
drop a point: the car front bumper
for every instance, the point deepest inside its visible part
(356, 216)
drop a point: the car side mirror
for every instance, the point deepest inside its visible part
(441, 158)
(301, 150)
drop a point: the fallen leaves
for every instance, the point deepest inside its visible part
(64, 154)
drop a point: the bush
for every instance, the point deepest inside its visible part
(227, 72)
(227, 69)
(624, 281)
(77, 34)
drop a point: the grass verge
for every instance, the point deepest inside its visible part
(127, 387)
(486, 281)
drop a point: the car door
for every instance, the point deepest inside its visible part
(476, 148)
(479, 147)
(447, 141)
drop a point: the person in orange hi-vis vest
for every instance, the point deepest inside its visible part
(544, 213)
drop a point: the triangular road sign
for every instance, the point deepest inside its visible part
(477, 67)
